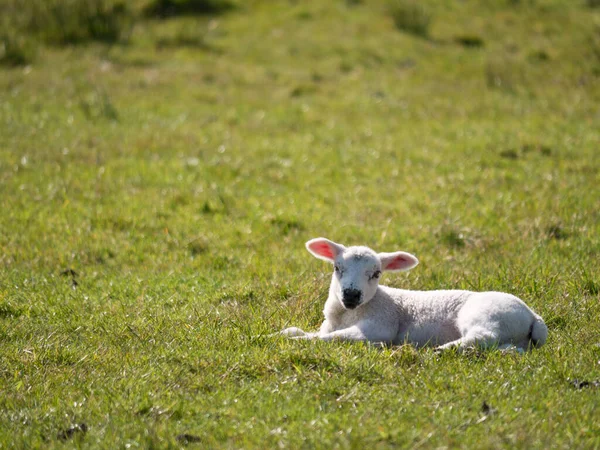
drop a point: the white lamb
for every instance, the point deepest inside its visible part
(359, 309)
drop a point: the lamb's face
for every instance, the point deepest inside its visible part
(356, 276)
(357, 269)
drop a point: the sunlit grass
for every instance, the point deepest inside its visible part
(156, 197)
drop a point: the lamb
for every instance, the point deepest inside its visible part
(360, 309)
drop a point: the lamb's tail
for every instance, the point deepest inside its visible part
(538, 333)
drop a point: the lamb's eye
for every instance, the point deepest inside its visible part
(376, 274)
(337, 269)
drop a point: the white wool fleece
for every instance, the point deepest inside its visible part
(360, 309)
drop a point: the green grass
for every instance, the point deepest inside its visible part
(156, 195)
(68, 22)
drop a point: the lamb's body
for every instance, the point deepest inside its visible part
(358, 308)
(437, 318)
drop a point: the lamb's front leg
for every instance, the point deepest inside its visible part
(297, 333)
(354, 333)
(292, 332)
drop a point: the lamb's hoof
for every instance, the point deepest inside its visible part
(380, 345)
(511, 349)
(292, 332)
(445, 348)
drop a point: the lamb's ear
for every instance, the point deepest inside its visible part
(393, 262)
(324, 249)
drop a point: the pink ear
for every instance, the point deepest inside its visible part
(321, 248)
(397, 261)
(324, 248)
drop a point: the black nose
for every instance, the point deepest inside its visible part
(351, 298)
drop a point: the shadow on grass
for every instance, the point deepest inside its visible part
(16, 49)
(170, 8)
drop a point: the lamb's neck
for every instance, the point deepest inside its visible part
(338, 316)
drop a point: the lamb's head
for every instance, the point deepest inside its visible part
(357, 269)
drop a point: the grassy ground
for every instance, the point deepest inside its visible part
(156, 193)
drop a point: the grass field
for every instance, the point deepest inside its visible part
(160, 173)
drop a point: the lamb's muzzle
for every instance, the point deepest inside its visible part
(351, 298)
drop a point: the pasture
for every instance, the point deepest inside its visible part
(162, 164)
